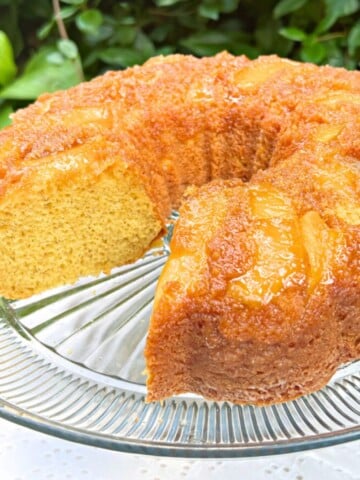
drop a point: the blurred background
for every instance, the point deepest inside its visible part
(46, 45)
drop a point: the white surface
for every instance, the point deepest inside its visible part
(29, 455)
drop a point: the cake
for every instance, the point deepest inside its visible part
(259, 301)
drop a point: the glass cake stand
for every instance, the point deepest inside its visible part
(72, 365)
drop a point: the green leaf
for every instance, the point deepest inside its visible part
(341, 8)
(45, 30)
(5, 111)
(228, 6)
(244, 49)
(105, 32)
(68, 48)
(165, 50)
(41, 76)
(127, 20)
(73, 2)
(209, 11)
(334, 54)
(56, 58)
(213, 8)
(161, 32)
(123, 35)
(284, 7)
(354, 38)
(314, 53)
(7, 64)
(206, 43)
(293, 33)
(67, 12)
(123, 57)
(326, 23)
(166, 3)
(89, 21)
(144, 45)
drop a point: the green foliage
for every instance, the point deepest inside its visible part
(285, 7)
(89, 21)
(43, 74)
(5, 112)
(38, 55)
(7, 63)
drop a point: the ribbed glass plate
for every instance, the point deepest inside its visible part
(71, 364)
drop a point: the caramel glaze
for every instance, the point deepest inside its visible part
(260, 300)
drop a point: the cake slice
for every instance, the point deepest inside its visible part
(73, 214)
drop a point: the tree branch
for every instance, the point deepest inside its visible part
(59, 21)
(64, 35)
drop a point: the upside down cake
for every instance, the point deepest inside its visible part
(259, 301)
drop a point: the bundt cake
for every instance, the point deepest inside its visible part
(260, 299)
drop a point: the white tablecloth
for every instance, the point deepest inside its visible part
(29, 455)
